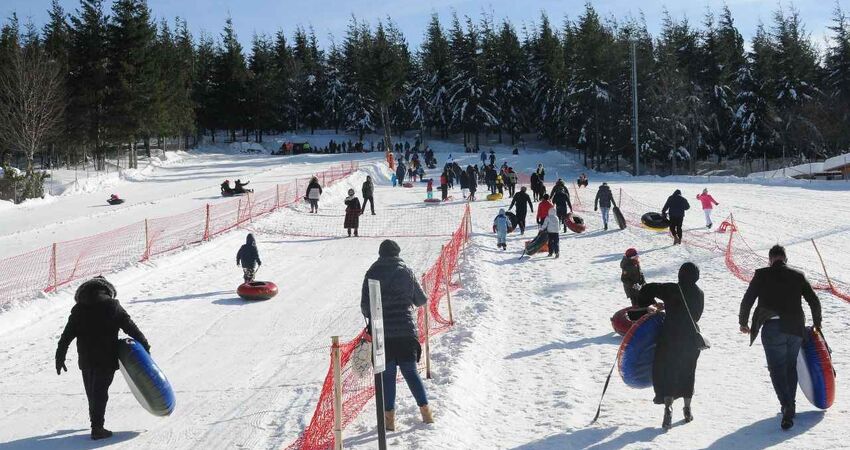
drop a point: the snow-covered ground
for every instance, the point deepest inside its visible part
(523, 367)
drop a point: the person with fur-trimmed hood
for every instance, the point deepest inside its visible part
(249, 257)
(631, 276)
(95, 320)
(401, 295)
(552, 225)
(353, 211)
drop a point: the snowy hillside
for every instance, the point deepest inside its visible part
(522, 368)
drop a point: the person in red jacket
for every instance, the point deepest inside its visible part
(543, 209)
(707, 203)
(444, 185)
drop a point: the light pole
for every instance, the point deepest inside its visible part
(635, 108)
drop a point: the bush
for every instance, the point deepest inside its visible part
(18, 186)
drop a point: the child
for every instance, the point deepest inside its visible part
(249, 258)
(708, 202)
(394, 179)
(501, 225)
(632, 277)
(429, 189)
(352, 213)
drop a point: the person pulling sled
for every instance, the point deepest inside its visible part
(501, 223)
(249, 258)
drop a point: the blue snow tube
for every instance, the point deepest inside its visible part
(147, 383)
(637, 351)
(815, 373)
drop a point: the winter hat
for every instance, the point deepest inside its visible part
(688, 273)
(388, 249)
(351, 192)
(677, 192)
(502, 211)
(631, 253)
(249, 240)
(95, 290)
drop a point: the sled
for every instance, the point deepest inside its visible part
(407, 184)
(116, 201)
(575, 223)
(432, 200)
(637, 351)
(146, 381)
(257, 290)
(815, 373)
(655, 221)
(618, 216)
(539, 244)
(496, 196)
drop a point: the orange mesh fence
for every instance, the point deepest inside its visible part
(358, 389)
(47, 268)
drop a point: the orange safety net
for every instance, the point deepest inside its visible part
(358, 389)
(48, 268)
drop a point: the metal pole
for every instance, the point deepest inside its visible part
(635, 108)
(337, 373)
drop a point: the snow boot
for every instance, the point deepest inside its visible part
(389, 420)
(786, 423)
(689, 417)
(427, 417)
(667, 422)
(100, 433)
(606, 227)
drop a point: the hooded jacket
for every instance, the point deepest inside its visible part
(522, 201)
(551, 223)
(400, 295)
(501, 223)
(676, 205)
(314, 190)
(631, 275)
(707, 201)
(94, 322)
(543, 209)
(248, 255)
(604, 197)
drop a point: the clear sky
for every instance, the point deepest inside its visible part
(330, 17)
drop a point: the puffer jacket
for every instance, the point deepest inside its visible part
(551, 223)
(248, 255)
(400, 295)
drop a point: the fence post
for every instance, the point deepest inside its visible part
(250, 209)
(238, 210)
(207, 224)
(337, 374)
(447, 276)
(54, 274)
(147, 254)
(828, 281)
(277, 197)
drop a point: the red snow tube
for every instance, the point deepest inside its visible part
(575, 223)
(621, 322)
(257, 290)
(407, 184)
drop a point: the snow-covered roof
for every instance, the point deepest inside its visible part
(837, 162)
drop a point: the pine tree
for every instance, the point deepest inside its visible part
(510, 73)
(283, 95)
(434, 78)
(57, 42)
(229, 83)
(203, 86)
(183, 104)
(388, 69)
(549, 83)
(837, 82)
(360, 108)
(334, 88)
(261, 78)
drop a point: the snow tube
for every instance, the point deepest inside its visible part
(623, 319)
(257, 290)
(637, 351)
(116, 201)
(815, 374)
(538, 244)
(654, 221)
(575, 223)
(618, 216)
(147, 382)
(496, 196)
(407, 184)
(432, 200)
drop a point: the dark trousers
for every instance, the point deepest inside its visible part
(781, 350)
(676, 226)
(371, 202)
(511, 188)
(520, 221)
(97, 382)
(411, 376)
(554, 239)
(444, 191)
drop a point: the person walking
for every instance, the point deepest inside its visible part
(511, 182)
(249, 258)
(521, 200)
(677, 349)
(368, 191)
(534, 181)
(708, 203)
(779, 315)
(444, 185)
(492, 158)
(400, 172)
(604, 199)
(314, 191)
(543, 209)
(631, 276)
(561, 200)
(676, 205)
(541, 173)
(94, 322)
(552, 225)
(401, 294)
(473, 183)
(352, 213)
(501, 223)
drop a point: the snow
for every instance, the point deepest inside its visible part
(837, 162)
(523, 367)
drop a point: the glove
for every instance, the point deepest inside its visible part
(636, 286)
(147, 347)
(595, 209)
(60, 366)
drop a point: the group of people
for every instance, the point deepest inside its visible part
(675, 207)
(239, 188)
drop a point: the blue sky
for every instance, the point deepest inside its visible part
(330, 17)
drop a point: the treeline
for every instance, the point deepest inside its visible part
(125, 80)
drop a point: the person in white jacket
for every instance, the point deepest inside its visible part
(552, 225)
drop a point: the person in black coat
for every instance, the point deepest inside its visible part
(401, 294)
(535, 189)
(226, 190)
(473, 183)
(94, 322)
(249, 257)
(521, 199)
(400, 172)
(676, 352)
(240, 187)
(561, 200)
(368, 191)
(779, 315)
(604, 199)
(352, 213)
(676, 206)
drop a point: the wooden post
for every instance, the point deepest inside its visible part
(250, 209)
(207, 224)
(337, 374)
(277, 197)
(147, 242)
(828, 281)
(54, 274)
(238, 210)
(447, 275)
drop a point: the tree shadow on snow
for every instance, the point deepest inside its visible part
(600, 259)
(67, 439)
(766, 432)
(183, 297)
(582, 438)
(610, 338)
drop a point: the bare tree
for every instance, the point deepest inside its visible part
(31, 101)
